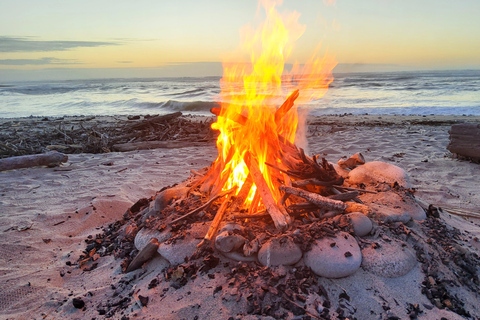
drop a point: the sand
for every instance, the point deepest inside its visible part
(47, 213)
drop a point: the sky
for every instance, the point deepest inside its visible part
(58, 39)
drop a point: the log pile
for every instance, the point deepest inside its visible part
(99, 134)
(465, 141)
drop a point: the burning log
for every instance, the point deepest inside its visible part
(279, 215)
(316, 199)
(238, 118)
(286, 106)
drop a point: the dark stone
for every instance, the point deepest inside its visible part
(78, 303)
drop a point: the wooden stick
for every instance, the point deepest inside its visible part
(205, 205)
(317, 199)
(344, 196)
(316, 182)
(260, 214)
(212, 230)
(286, 106)
(238, 118)
(50, 159)
(355, 189)
(280, 217)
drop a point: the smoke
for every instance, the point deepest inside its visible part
(302, 129)
(329, 2)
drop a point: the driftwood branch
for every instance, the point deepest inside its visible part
(286, 106)
(49, 159)
(315, 198)
(216, 221)
(279, 215)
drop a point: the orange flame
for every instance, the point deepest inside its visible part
(248, 120)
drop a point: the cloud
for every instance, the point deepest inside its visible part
(329, 2)
(41, 61)
(11, 44)
(124, 61)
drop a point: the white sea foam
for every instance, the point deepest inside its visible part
(446, 93)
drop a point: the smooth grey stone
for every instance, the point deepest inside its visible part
(334, 257)
(390, 260)
(227, 241)
(362, 225)
(176, 252)
(279, 251)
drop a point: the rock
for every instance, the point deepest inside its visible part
(231, 227)
(164, 198)
(362, 225)
(334, 257)
(145, 235)
(78, 303)
(227, 241)
(176, 251)
(376, 172)
(391, 206)
(389, 259)
(279, 251)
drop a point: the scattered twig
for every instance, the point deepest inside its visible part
(205, 205)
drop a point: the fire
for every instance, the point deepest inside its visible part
(251, 126)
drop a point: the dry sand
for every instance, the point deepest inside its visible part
(47, 213)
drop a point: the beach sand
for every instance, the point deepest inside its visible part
(47, 213)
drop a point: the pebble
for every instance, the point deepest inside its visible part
(279, 251)
(377, 172)
(389, 259)
(362, 225)
(78, 303)
(334, 257)
(227, 241)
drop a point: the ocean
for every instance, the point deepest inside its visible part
(408, 93)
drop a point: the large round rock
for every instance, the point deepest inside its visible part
(388, 259)
(377, 172)
(334, 257)
(279, 251)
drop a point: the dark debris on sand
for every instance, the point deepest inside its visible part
(97, 134)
